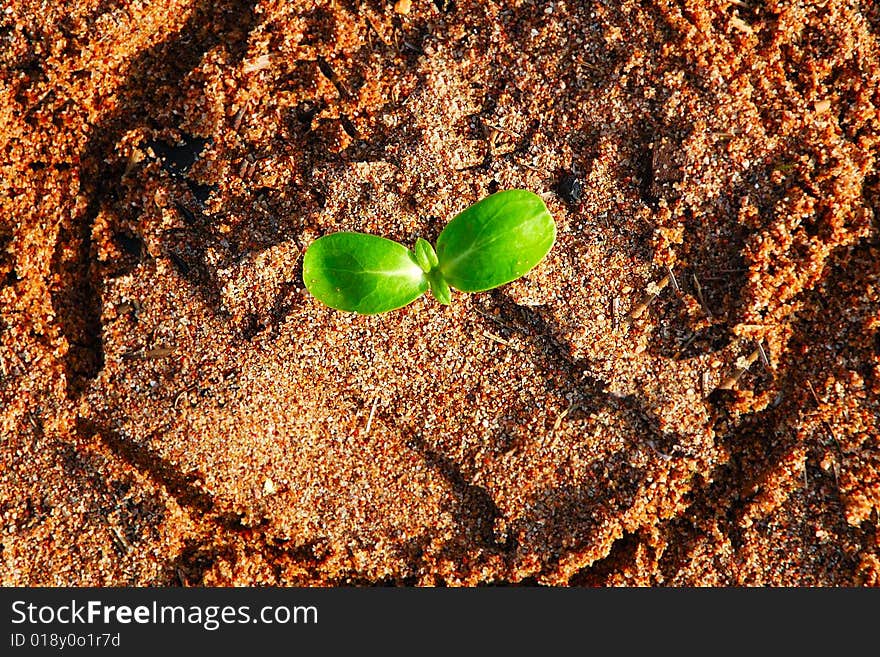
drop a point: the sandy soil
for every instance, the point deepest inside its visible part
(685, 392)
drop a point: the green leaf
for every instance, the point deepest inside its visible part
(495, 241)
(439, 287)
(425, 255)
(362, 273)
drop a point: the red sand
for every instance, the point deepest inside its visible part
(685, 392)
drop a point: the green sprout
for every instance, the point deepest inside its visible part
(493, 242)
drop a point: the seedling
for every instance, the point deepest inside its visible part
(493, 242)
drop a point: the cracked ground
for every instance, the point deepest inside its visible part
(685, 392)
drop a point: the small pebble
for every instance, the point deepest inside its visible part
(570, 189)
